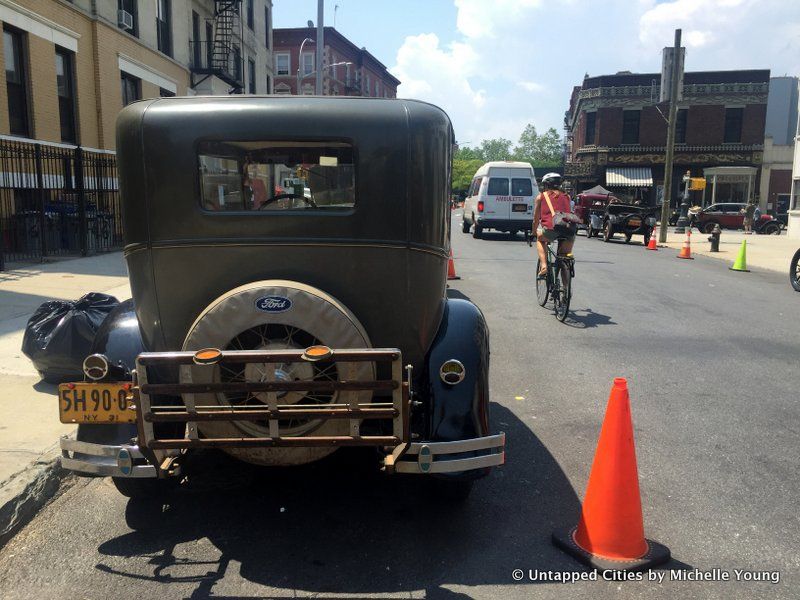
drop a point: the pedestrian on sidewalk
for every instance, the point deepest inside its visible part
(749, 212)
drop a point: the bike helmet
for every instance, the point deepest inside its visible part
(551, 180)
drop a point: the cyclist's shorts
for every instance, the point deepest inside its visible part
(551, 235)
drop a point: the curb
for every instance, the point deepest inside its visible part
(26, 492)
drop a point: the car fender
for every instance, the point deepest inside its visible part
(120, 340)
(459, 411)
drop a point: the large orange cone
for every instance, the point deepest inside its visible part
(651, 245)
(610, 533)
(451, 267)
(686, 251)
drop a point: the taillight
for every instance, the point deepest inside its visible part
(480, 205)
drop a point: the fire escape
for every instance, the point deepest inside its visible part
(221, 57)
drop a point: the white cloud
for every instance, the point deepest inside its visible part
(514, 62)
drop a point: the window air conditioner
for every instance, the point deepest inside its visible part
(125, 19)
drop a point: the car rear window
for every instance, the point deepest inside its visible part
(521, 186)
(498, 186)
(269, 177)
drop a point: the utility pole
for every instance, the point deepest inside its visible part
(320, 44)
(673, 113)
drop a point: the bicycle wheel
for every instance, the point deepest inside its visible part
(542, 287)
(563, 293)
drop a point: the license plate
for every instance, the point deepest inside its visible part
(519, 208)
(95, 403)
(634, 222)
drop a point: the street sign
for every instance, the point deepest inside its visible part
(697, 183)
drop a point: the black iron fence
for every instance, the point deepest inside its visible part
(56, 199)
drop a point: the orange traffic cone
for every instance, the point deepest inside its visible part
(451, 267)
(610, 533)
(686, 251)
(651, 245)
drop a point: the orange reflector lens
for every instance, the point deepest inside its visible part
(207, 356)
(317, 352)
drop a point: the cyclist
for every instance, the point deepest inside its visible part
(543, 225)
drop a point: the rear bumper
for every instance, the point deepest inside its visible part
(522, 224)
(152, 455)
(104, 461)
(442, 457)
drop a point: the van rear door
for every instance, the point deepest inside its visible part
(522, 194)
(497, 200)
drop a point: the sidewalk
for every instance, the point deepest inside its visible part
(768, 252)
(29, 425)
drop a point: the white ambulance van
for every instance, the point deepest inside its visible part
(501, 198)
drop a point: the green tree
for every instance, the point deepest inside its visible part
(463, 171)
(539, 149)
(495, 149)
(466, 153)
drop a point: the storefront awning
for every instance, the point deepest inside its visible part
(629, 177)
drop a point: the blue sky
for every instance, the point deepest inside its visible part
(496, 65)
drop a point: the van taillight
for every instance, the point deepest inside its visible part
(480, 205)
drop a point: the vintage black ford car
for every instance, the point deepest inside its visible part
(628, 220)
(288, 261)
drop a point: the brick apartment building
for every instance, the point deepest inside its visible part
(71, 65)
(76, 63)
(365, 75)
(616, 134)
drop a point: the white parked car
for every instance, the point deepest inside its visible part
(501, 198)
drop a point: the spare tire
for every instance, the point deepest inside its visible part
(276, 314)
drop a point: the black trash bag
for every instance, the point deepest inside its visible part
(59, 335)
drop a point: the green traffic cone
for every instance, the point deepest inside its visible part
(740, 264)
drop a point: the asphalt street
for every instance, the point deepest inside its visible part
(709, 355)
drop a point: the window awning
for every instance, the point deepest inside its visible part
(629, 177)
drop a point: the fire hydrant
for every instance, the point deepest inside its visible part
(714, 238)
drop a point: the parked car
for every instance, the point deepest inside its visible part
(501, 198)
(628, 220)
(730, 215)
(264, 330)
(590, 208)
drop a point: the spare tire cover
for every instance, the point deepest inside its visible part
(277, 302)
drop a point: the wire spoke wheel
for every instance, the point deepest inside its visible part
(563, 291)
(794, 271)
(542, 287)
(277, 337)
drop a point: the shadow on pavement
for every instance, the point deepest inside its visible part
(586, 318)
(499, 236)
(339, 526)
(451, 293)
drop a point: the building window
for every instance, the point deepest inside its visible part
(164, 93)
(251, 76)
(630, 126)
(377, 86)
(308, 63)
(196, 39)
(128, 16)
(269, 84)
(131, 88)
(282, 64)
(366, 91)
(591, 120)
(65, 89)
(250, 15)
(209, 44)
(680, 126)
(267, 27)
(347, 74)
(237, 63)
(164, 26)
(733, 125)
(16, 81)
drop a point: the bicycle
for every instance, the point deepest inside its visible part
(557, 284)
